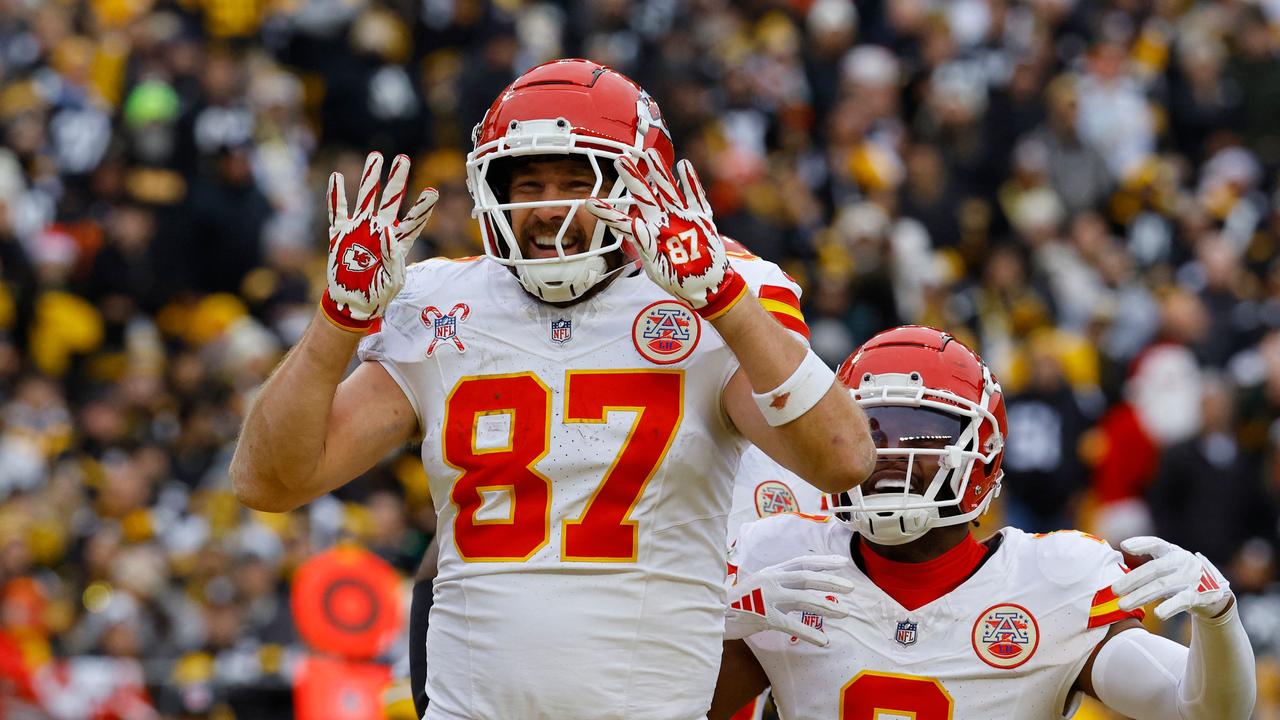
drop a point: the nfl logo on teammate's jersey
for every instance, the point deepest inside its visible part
(906, 633)
(561, 330)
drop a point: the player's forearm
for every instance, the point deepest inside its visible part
(1150, 677)
(1220, 680)
(829, 445)
(282, 440)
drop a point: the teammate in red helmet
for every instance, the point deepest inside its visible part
(942, 625)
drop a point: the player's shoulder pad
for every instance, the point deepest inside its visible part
(777, 538)
(400, 334)
(1071, 557)
(778, 292)
(425, 277)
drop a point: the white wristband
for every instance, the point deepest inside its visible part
(798, 393)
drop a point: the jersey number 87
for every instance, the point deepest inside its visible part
(604, 532)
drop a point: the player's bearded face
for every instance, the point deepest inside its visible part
(536, 228)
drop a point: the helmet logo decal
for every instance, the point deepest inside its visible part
(650, 115)
(357, 258)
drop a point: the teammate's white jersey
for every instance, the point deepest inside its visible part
(763, 488)
(1009, 642)
(581, 464)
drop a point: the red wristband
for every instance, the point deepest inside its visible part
(732, 289)
(340, 319)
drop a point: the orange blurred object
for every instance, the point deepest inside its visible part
(347, 602)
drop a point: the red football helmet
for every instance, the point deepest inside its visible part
(572, 107)
(925, 394)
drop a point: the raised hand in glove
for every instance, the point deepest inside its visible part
(765, 600)
(1184, 580)
(672, 228)
(367, 250)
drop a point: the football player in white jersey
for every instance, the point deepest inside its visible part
(580, 420)
(763, 488)
(944, 626)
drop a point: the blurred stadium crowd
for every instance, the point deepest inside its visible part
(1084, 190)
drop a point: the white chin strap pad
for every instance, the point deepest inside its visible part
(564, 281)
(890, 526)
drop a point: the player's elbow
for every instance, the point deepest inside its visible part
(253, 490)
(841, 471)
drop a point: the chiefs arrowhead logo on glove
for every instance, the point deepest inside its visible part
(367, 251)
(358, 259)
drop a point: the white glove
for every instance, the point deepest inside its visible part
(367, 252)
(765, 599)
(1187, 581)
(679, 245)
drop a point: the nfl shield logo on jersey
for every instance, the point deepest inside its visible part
(446, 327)
(906, 633)
(1005, 636)
(561, 330)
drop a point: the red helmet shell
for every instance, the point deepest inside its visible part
(947, 365)
(596, 100)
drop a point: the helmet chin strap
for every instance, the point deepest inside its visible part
(562, 282)
(884, 523)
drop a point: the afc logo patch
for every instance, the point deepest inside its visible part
(444, 326)
(666, 332)
(561, 331)
(1005, 636)
(774, 497)
(905, 634)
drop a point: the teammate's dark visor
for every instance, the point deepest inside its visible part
(896, 426)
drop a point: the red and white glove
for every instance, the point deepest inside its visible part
(367, 251)
(765, 600)
(678, 242)
(1188, 581)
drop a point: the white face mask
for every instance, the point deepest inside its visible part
(565, 277)
(945, 426)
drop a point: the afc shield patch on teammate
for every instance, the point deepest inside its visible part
(774, 497)
(666, 332)
(1005, 636)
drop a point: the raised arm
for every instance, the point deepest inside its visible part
(784, 399)
(1148, 677)
(309, 431)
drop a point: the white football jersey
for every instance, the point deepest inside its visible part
(763, 488)
(582, 468)
(1009, 642)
